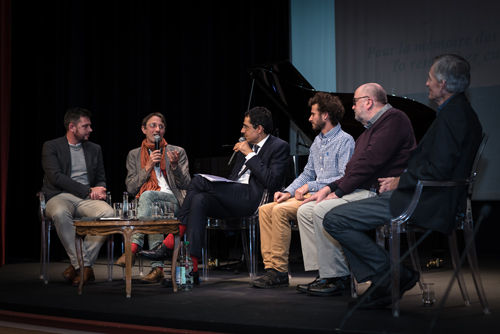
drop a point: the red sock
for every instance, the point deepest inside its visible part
(169, 241)
(135, 248)
(195, 263)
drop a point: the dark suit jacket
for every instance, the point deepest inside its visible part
(267, 168)
(446, 152)
(56, 163)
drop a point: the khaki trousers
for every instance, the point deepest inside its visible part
(276, 233)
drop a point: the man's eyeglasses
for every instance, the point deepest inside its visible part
(356, 99)
(154, 125)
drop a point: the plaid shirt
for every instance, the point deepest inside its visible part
(328, 157)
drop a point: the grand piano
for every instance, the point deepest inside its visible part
(289, 91)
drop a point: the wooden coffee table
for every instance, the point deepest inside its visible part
(126, 228)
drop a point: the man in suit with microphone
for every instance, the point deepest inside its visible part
(156, 172)
(75, 186)
(261, 163)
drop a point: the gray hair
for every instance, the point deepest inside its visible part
(454, 70)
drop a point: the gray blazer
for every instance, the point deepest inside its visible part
(178, 179)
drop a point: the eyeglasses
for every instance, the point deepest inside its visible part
(246, 127)
(356, 99)
(154, 125)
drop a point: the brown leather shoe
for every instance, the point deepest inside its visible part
(154, 276)
(69, 274)
(121, 261)
(88, 277)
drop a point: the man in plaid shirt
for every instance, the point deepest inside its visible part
(329, 154)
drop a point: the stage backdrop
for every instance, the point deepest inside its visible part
(394, 42)
(123, 60)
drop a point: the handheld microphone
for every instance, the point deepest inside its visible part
(157, 147)
(242, 139)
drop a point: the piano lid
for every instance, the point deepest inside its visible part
(290, 91)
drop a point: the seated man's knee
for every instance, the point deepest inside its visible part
(304, 213)
(332, 222)
(147, 196)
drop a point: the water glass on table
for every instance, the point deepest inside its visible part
(168, 210)
(156, 211)
(118, 207)
(132, 208)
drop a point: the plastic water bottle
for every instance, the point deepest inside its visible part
(188, 265)
(180, 271)
(125, 205)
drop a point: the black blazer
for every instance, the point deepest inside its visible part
(267, 168)
(446, 152)
(56, 163)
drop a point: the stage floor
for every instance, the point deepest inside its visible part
(228, 304)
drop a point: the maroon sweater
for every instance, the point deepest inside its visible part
(382, 150)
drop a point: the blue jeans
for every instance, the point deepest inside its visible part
(144, 210)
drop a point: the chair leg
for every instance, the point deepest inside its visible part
(354, 285)
(45, 252)
(204, 252)
(471, 253)
(42, 251)
(455, 258)
(250, 248)
(254, 245)
(141, 267)
(394, 251)
(414, 258)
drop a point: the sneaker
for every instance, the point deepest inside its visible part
(272, 279)
(154, 276)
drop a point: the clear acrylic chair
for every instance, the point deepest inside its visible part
(47, 226)
(244, 224)
(394, 227)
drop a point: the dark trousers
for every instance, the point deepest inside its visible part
(347, 224)
(212, 199)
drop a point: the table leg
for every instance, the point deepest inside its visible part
(78, 246)
(127, 236)
(174, 259)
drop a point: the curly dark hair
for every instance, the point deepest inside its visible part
(330, 104)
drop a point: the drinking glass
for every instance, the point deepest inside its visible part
(156, 210)
(132, 208)
(428, 296)
(118, 207)
(168, 210)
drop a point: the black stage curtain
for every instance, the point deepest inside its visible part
(123, 60)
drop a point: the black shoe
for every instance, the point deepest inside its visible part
(304, 287)
(381, 297)
(167, 283)
(159, 253)
(272, 279)
(330, 286)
